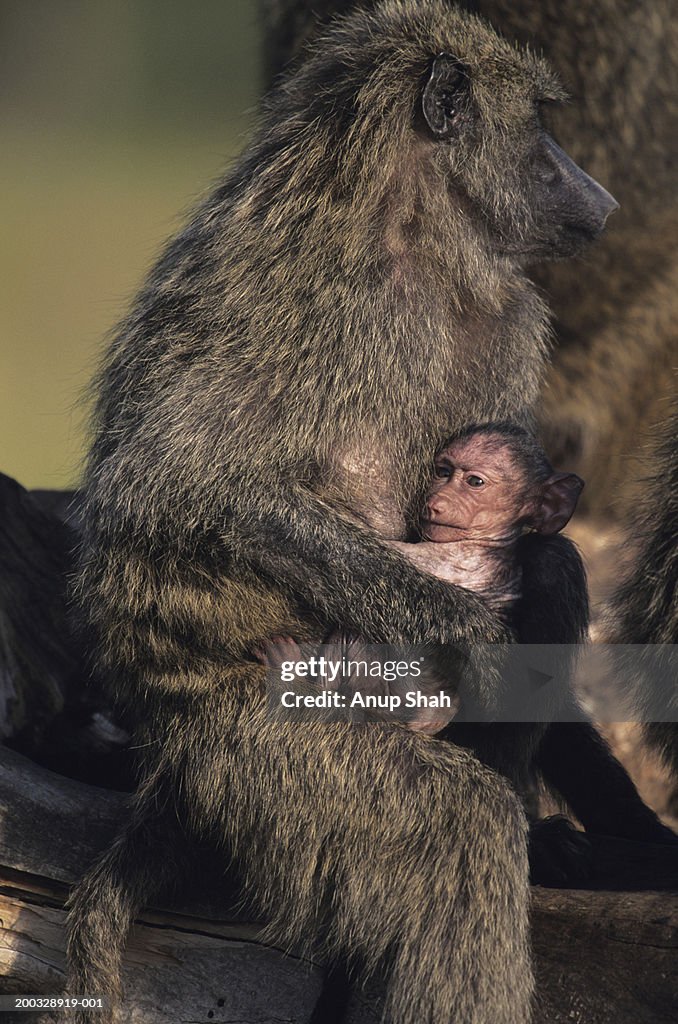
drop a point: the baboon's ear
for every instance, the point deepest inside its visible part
(559, 497)
(445, 96)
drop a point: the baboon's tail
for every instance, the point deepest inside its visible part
(105, 902)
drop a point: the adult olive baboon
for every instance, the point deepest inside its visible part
(346, 298)
(615, 319)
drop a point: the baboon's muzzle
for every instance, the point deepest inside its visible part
(577, 201)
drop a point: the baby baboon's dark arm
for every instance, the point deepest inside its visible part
(352, 577)
(554, 606)
(552, 610)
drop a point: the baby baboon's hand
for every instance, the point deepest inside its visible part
(559, 853)
(277, 650)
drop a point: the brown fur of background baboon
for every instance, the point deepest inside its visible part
(644, 608)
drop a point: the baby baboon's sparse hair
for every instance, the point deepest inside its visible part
(525, 447)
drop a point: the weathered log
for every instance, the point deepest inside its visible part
(193, 959)
(177, 969)
(603, 954)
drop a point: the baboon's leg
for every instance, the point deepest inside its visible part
(404, 852)
(577, 762)
(460, 949)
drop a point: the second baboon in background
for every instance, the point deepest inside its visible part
(644, 609)
(616, 317)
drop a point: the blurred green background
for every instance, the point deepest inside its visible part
(115, 115)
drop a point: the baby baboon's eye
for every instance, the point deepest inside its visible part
(442, 472)
(475, 481)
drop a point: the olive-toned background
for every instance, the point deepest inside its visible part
(114, 117)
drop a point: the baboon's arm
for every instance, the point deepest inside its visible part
(351, 576)
(554, 604)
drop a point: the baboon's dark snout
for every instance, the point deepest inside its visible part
(584, 204)
(602, 202)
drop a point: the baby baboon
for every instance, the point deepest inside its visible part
(489, 484)
(350, 295)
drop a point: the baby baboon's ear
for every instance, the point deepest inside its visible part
(445, 97)
(559, 497)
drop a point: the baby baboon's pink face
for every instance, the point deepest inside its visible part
(478, 492)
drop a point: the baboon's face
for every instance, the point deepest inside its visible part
(423, 113)
(481, 491)
(483, 121)
(478, 492)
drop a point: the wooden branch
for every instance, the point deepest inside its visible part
(191, 960)
(601, 955)
(177, 969)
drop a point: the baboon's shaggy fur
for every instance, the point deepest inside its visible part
(645, 606)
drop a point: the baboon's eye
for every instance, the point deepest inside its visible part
(475, 481)
(442, 472)
(444, 99)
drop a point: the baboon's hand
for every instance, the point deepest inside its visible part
(554, 606)
(277, 650)
(559, 853)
